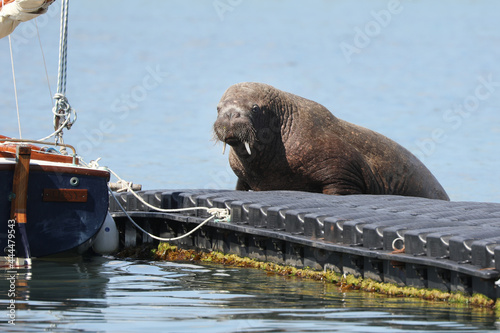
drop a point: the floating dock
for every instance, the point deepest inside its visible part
(450, 246)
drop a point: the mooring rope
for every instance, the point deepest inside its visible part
(214, 211)
(222, 214)
(222, 211)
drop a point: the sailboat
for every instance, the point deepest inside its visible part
(51, 202)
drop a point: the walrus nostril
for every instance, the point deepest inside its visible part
(232, 114)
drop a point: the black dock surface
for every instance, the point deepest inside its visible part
(418, 242)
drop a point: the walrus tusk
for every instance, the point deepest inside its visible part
(223, 148)
(247, 146)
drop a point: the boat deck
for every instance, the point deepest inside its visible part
(409, 241)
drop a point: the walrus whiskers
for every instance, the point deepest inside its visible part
(240, 132)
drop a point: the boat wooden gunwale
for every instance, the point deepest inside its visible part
(44, 160)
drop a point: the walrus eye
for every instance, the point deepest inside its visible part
(255, 108)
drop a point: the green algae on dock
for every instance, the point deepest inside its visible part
(169, 252)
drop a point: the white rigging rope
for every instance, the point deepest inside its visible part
(16, 12)
(14, 80)
(44, 62)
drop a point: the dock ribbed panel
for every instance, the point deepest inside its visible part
(451, 246)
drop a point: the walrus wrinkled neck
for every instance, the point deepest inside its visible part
(287, 108)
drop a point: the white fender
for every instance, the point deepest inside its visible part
(106, 241)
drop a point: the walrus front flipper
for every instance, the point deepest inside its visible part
(242, 186)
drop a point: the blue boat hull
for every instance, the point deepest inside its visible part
(57, 222)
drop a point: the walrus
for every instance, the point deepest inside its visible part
(281, 141)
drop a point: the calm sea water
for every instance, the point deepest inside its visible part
(104, 295)
(145, 79)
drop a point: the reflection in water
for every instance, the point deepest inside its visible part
(45, 293)
(99, 294)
